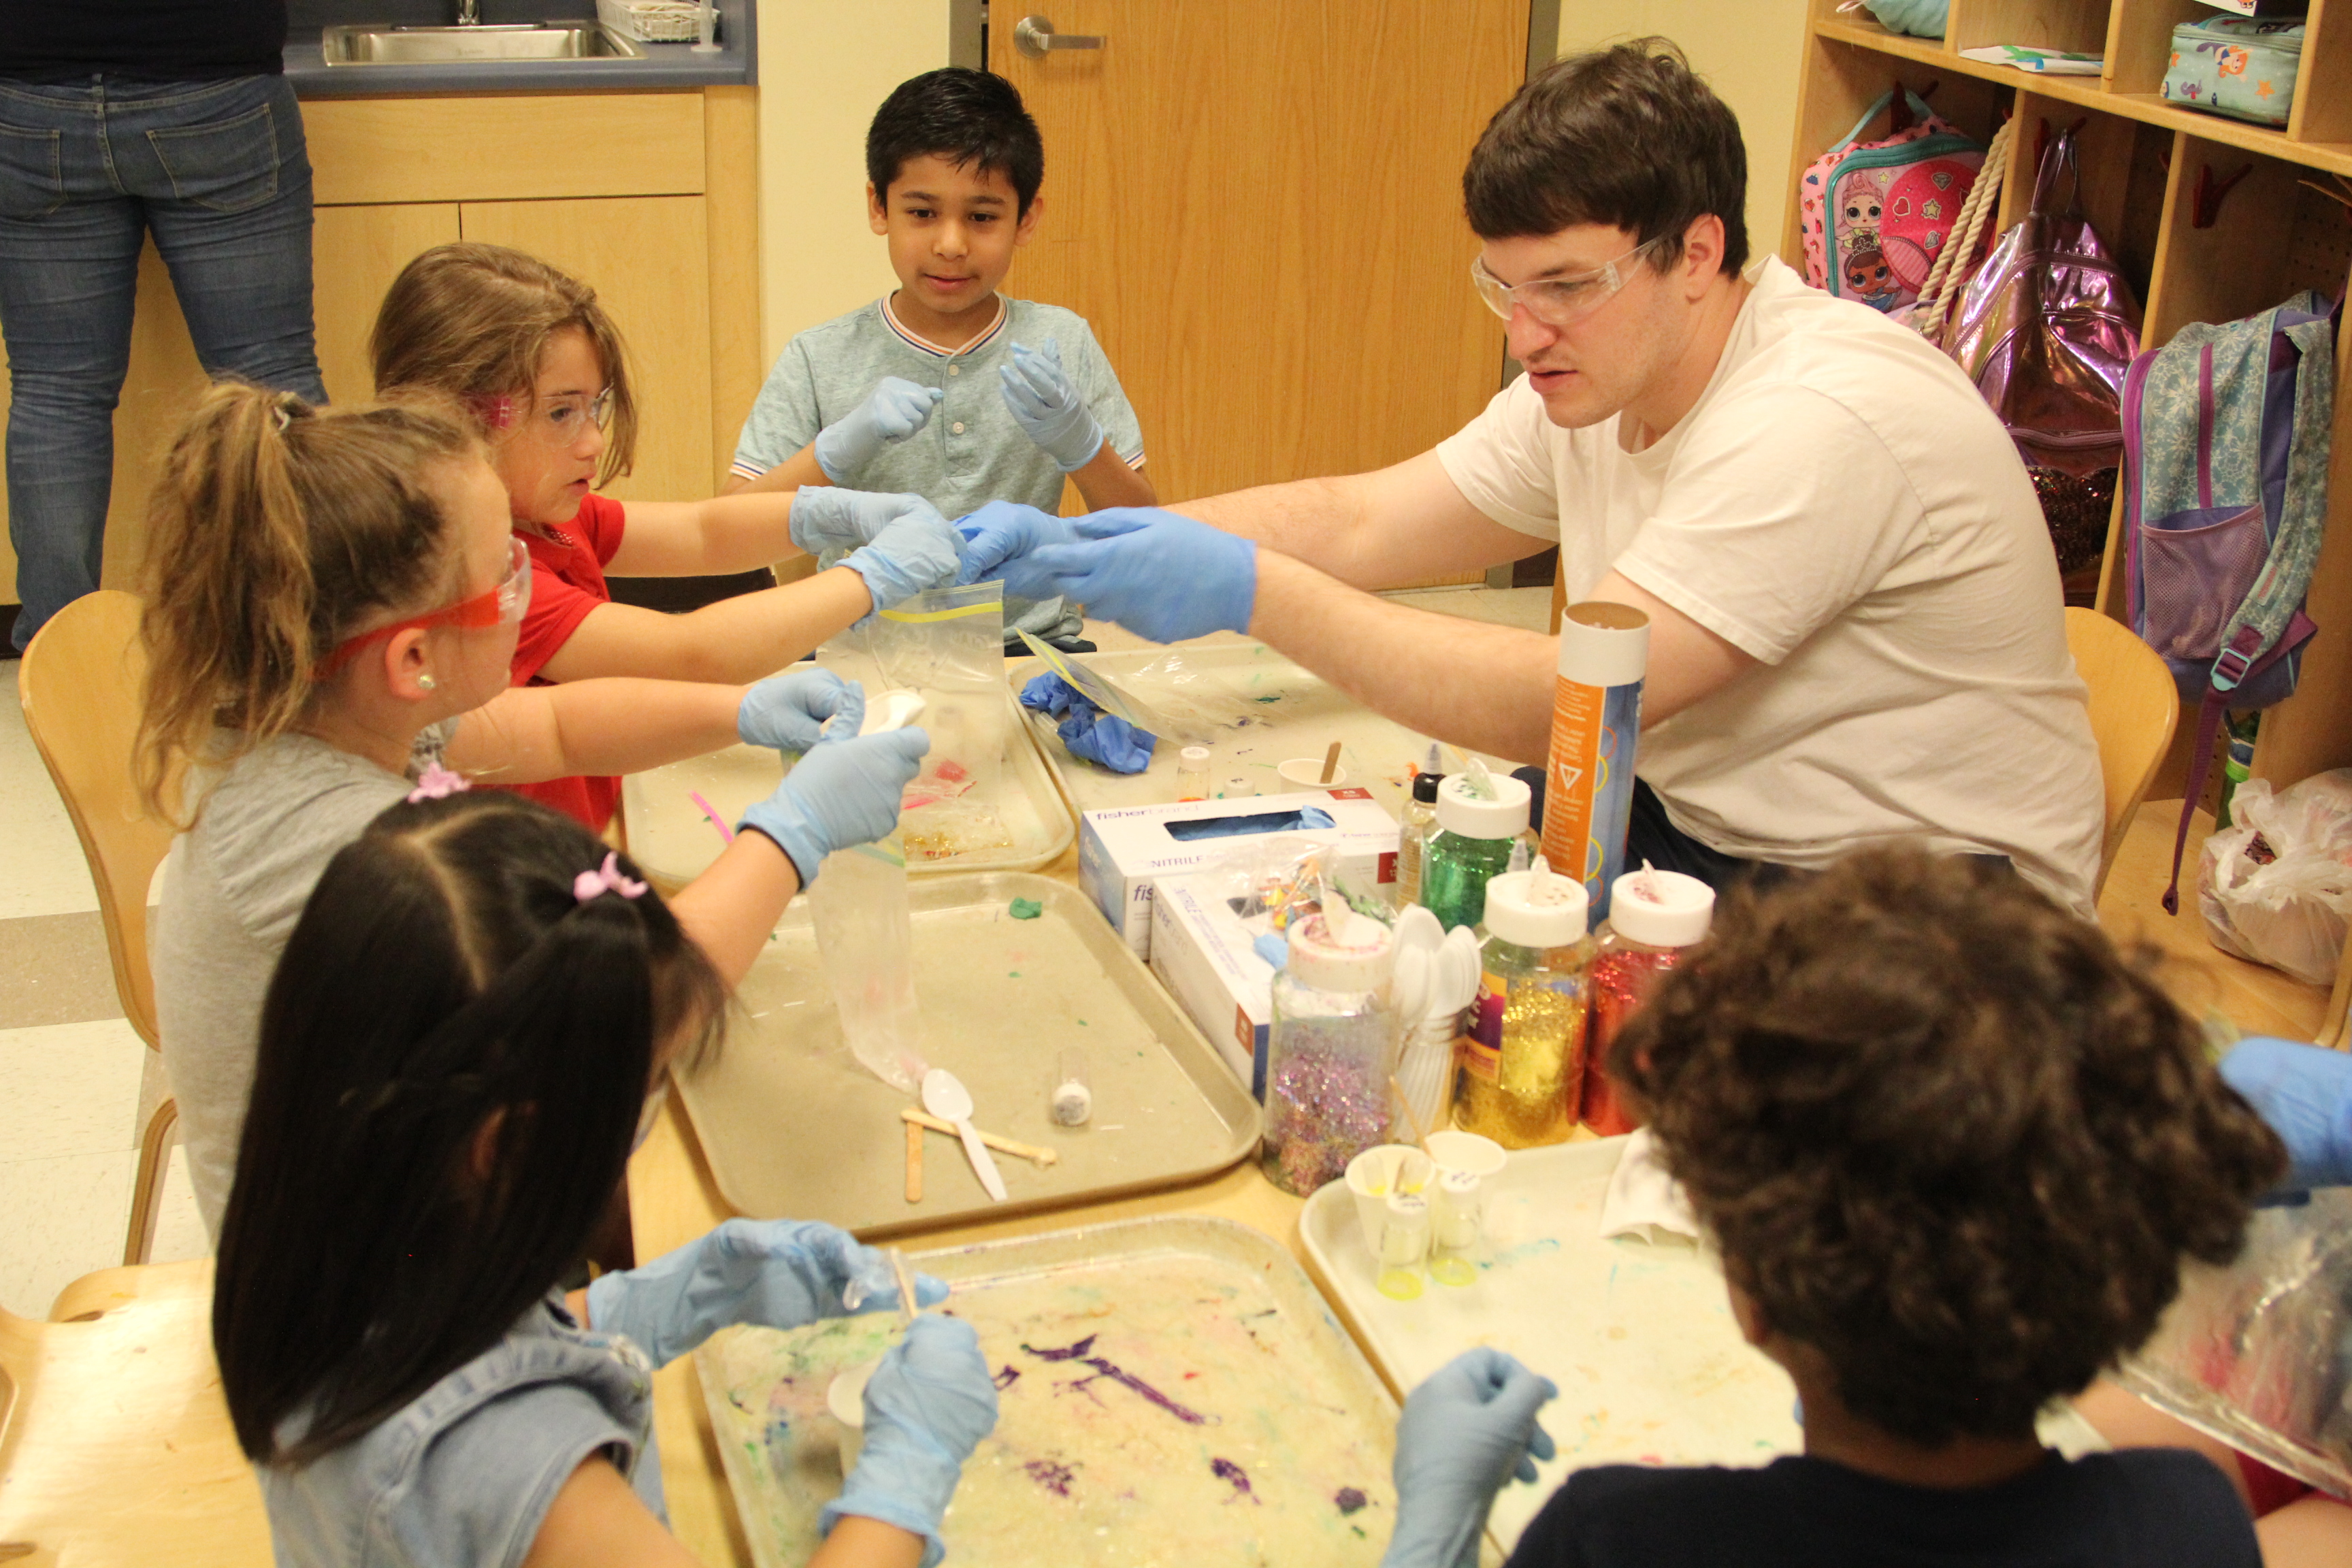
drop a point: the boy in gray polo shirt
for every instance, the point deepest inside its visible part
(944, 387)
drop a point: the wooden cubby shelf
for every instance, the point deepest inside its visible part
(2276, 230)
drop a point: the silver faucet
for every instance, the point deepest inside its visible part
(469, 13)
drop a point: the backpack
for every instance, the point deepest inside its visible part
(2226, 439)
(1875, 216)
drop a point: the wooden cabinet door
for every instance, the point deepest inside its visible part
(649, 259)
(359, 251)
(1259, 209)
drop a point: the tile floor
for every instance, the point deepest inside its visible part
(76, 1082)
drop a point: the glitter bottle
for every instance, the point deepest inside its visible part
(1652, 917)
(1472, 843)
(1522, 1069)
(1330, 1052)
(1414, 829)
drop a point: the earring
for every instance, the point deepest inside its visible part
(427, 682)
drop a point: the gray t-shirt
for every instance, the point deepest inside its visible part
(971, 451)
(234, 885)
(463, 1476)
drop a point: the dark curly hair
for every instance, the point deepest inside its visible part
(972, 118)
(1943, 1133)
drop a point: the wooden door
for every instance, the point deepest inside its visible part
(1259, 209)
(649, 259)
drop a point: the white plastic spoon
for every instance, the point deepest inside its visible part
(945, 1097)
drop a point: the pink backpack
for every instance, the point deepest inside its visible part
(1876, 214)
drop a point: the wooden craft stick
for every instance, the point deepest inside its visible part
(915, 1118)
(914, 1163)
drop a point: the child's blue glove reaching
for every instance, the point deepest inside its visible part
(777, 1273)
(1159, 575)
(1463, 1435)
(845, 791)
(895, 410)
(928, 1405)
(2304, 1092)
(788, 712)
(1048, 408)
(910, 555)
(826, 516)
(1088, 731)
(999, 538)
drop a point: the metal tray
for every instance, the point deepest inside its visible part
(1214, 1315)
(1638, 1335)
(792, 1125)
(674, 843)
(1290, 713)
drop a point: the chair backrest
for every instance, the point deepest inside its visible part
(80, 688)
(2134, 707)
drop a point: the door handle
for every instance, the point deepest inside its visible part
(1032, 35)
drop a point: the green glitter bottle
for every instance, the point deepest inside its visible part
(1472, 844)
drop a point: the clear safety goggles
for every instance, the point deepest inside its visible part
(500, 606)
(558, 423)
(1555, 301)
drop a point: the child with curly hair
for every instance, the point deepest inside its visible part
(1953, 1149)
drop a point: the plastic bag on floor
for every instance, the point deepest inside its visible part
(2276, 885)
(947, 644)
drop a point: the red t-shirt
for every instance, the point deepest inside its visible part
(567, 581)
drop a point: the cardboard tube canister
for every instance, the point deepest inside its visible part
(1596, 717)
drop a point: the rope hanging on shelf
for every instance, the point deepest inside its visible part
(1944, 278)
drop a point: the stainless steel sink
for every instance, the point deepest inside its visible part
(493, 44)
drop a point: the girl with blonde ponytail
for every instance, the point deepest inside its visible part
(332, 599)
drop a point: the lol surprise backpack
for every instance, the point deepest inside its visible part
(1876, 214)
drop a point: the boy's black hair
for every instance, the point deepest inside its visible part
(444, 978)
(1943, 1135)
(966, 116)
(1627, 136)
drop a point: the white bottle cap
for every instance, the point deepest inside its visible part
(1551, 914)
(1673, 910)
(1319, 961)
(1504, 817)
(1193, 759)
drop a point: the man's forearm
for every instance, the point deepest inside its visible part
(1484, 687)
(1313, 520)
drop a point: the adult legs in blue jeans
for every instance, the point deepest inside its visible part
(218, 172)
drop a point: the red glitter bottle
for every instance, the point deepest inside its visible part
(1652, 917)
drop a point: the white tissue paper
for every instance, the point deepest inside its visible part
(1642, 1199)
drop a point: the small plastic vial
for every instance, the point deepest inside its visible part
(1472, 845)
(1238, 787)
(1404, 1241)
(1458, 1231)
(1652, 917)
(1192, 774)
(1412, 833)
(1074, 1098)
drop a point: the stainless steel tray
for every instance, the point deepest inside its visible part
(793, 1126)
(1285, 1457)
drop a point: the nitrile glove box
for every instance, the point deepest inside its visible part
(1123, 852)
(1201, 951)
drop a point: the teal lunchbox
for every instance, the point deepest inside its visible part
(2243, 67)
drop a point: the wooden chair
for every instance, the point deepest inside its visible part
(2134, 707)
(115, 1446)
(81, 690)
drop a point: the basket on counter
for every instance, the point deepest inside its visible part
(653, 21)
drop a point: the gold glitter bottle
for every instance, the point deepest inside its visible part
(1524, 1062)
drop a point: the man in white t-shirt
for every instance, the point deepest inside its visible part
(1855, 614)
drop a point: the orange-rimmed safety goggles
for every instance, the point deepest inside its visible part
(501, 606)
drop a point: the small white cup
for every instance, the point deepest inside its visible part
(1458, 1150)
(845, 1400)
(1306, 773)
(1376, 1173)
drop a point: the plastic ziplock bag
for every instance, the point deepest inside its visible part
(2254, 1354)
(947, 644)
(2277, 886)
(866, 940)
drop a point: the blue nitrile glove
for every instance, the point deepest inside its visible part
(2304, 1092)
(1048, 409)
(918, 552)
(787, 713)
(1088, 731)
(896, 409)
(845, 791)
(826, 516)
(1001, 534)
(928, 1405)
(1463, 1434)
(777, 1273)
(1274, 947)
(1159, 575)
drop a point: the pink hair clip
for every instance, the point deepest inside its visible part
(606, 879)
(497, 412)
(437, 783)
